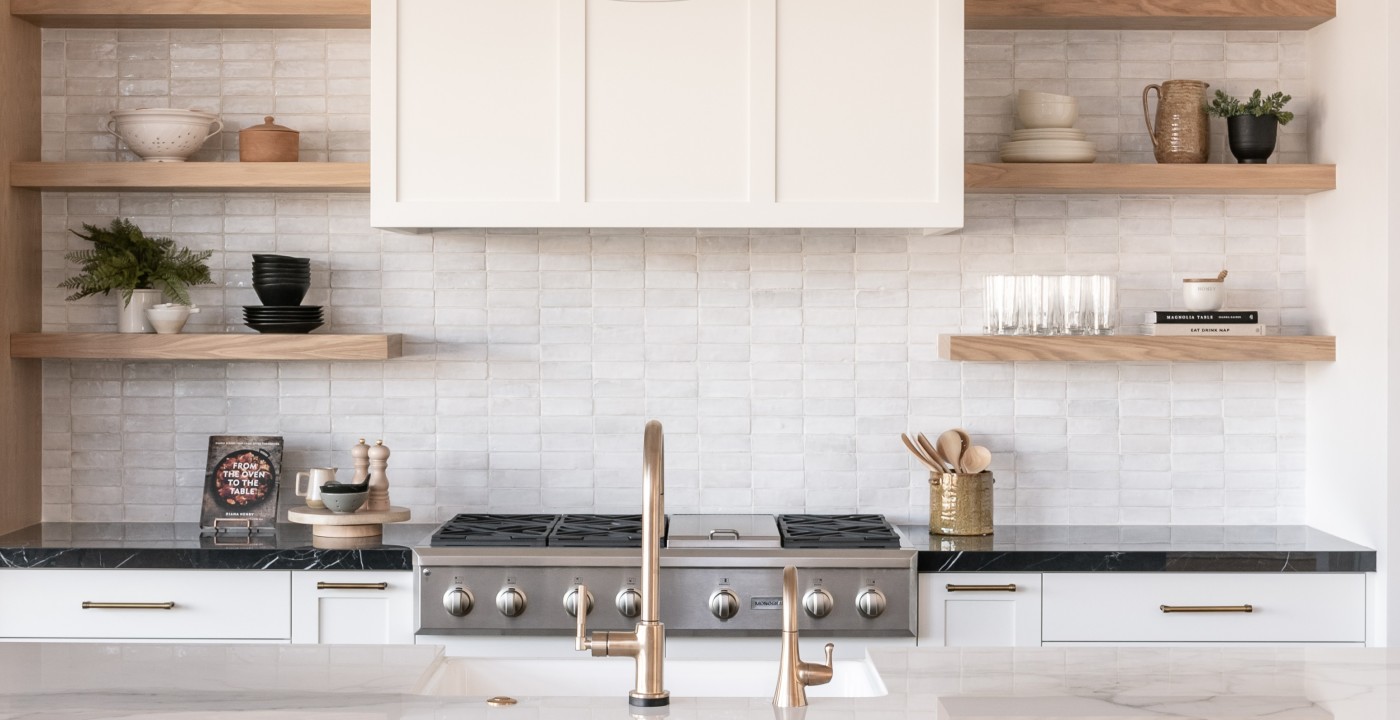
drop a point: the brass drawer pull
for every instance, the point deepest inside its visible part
(1009, 587)
(90, 605)
(1207, 608)
(351, 586)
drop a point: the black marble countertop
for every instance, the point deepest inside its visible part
(1141, 548)
(182, 546)
(1013, 548)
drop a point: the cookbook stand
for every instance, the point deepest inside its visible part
(361, 524)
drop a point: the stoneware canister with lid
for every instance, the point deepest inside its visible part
(268, 142)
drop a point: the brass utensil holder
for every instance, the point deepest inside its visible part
(960, 504)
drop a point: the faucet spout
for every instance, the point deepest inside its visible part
(794, 675)
(647, 642)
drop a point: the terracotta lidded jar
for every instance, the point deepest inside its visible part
(1182, 130)
(268, 142)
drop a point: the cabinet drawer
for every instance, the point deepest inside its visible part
(158, 604)
(1168, 607)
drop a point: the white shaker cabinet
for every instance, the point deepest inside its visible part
(978, 609)
(352, 607)
(707, 113)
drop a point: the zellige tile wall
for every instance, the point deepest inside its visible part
(783, 363)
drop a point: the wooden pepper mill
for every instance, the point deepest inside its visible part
(378, 478)
(360, 455)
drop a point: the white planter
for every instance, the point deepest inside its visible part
(131, 318)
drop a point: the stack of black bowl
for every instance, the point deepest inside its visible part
(281, 282)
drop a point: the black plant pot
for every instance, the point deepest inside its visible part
(1252, 139)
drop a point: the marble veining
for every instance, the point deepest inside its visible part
(1141, 548)
(182, 546)
(271, 682)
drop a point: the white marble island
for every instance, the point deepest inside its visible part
(263, 682)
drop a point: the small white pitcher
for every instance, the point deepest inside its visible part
(316, 478)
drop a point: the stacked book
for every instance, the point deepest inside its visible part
(1202, 323)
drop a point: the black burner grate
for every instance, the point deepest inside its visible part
(597, 531)
(837, 532)
(495, 530)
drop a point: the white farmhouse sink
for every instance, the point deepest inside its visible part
(602, 677)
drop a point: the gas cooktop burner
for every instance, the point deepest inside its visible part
(597, 531)
(837, 532)
(472, 530)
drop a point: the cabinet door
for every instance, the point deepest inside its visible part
(352, 607)
(93, 604)
(979, 609)
(721, 113)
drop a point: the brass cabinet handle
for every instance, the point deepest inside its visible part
(1207, 608)
(90, 605)
(351, 586)
(1009, 587)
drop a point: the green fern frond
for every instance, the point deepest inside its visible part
(123, 258)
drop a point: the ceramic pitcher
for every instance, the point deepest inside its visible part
(1182, 130)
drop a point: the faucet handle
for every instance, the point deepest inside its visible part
(581, 641)
(814, 674)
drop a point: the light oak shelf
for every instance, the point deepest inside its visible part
(193, 13)
(1149, 178)
(1142, 178)
(1114, 348)
(191, 176)
(1148, 14)
(217, 346)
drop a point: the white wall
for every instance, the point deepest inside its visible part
(1350, 272)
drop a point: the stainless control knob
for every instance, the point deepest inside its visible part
(510, 601)
(724, 604)
(571, 602)
(629, 603)
(457, 601)
(871, 603)
(818, 603)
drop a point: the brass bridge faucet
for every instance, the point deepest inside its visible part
(646, 643)
(794, 675)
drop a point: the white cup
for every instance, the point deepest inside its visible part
(312, 492)
(1203, 294)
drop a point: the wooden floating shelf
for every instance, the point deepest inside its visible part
(1148, 14)
(191, 176)
(1144, 178)
(1115, 348)
(193, 13)
(217, 346)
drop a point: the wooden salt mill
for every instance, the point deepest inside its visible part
(378, 478)
(360, 455)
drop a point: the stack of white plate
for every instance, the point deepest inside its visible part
(1066, 145)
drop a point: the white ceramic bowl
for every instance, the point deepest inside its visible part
(169, 318)
(164, 134)
(1047, 115)
(1036, 96)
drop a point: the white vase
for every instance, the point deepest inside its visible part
(131, 318)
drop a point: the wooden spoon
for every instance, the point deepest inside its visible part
(1221, 276)
(964, 439)
(930, 464)
(932, 451)
(976, 460)
(950, 446)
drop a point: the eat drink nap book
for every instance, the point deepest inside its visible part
(240, 480)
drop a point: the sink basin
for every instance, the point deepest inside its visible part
(603, 677)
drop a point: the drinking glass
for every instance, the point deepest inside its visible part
(1102, 305)
(1070, 319)
(1000, 313)
(1042, 304)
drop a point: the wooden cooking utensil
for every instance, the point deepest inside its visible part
(964, 439)
(929, 463)
(932, 451)
(976, 460)
(951, 448)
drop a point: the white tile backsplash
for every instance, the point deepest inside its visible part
(784, 363)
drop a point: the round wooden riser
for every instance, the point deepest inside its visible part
(325, 523)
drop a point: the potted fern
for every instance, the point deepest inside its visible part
(1253, 123)
(138, 267)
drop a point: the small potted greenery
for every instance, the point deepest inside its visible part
(139, 267)
(1253, 124)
